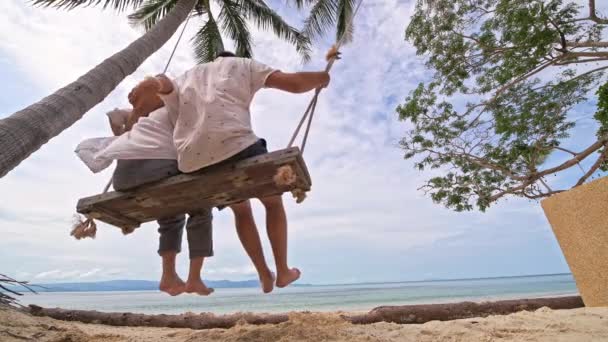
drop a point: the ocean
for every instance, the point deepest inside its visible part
(355, 297)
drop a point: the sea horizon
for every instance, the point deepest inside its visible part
(323, 298)
(250, 281)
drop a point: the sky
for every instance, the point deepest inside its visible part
(364, 221)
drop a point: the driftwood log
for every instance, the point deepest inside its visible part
(409, 314)
(127, 319)
(406, 314)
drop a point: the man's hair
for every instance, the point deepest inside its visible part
(225, 54)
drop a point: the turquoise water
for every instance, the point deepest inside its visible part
(313, 298)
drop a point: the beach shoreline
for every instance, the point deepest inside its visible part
(544, 324)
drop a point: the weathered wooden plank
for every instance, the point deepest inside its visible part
(214, 186)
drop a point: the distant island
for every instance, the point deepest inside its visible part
(135, 285)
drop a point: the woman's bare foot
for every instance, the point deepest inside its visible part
(197, 286)
(286, 278)
(267, 282)
(172, 284)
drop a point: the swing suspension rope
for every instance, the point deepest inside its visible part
(310, 110)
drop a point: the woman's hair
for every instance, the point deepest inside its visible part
(225, 54)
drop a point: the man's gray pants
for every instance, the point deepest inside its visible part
(130, 174)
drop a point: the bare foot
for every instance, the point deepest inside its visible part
(172, 284)
(267, 282)
(198, 287)
(285, 279)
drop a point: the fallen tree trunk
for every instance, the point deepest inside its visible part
(192, 321)
(408, 314)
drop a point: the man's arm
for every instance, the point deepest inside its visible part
(298, 82)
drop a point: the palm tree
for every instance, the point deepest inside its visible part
(27, 130)
(324, 14)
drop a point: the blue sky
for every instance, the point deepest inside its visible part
(364, 221)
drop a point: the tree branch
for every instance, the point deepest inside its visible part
(593, 15)
(522, 186)
(585, 54)
(578, 61)
(593, 168)
(588, 73)
(545, 185)
(587, 44)
(565, 150)
(579, 157)
(523, 77)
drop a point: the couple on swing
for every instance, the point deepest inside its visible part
(185, 124)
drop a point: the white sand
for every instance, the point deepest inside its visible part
(579, 325)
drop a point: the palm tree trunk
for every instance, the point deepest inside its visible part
(27, 130)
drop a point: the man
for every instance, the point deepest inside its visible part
(210, 107)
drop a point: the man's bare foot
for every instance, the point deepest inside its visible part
(267, 282)
(172, 284)
(284, 279)
(198, 287)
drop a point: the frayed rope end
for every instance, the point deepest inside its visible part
(83, 228)
(299, 195)
(127, 230)
(285, 176)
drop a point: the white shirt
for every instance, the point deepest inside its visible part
(210, 104)
(150, 138)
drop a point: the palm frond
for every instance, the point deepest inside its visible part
(234, 25)
(302, 3)
(150, 12)
(345, 14)
(119, 5)
(321, 18)
(265, 18)
(208, 41)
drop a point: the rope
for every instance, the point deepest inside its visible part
(107, 187)
(310, 110)
(176, 44)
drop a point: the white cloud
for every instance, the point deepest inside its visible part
(47, 274)
(90, 273)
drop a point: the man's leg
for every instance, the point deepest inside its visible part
(250, 239)
(170, 241)
(200, 244)
(276, 226)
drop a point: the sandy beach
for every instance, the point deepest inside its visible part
(585, 324)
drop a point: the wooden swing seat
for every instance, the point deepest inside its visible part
(211, 187)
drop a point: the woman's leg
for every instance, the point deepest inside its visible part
(250, 239)
(170, 240)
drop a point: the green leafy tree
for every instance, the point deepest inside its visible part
(507, 74)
